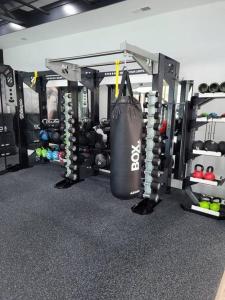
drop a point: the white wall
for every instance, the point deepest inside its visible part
(195, 37)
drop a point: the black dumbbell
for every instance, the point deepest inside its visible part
(155, 173)
(73, 167)
(157, 104)
(156, 126)
(73, 148)
(156, 116)
(157, 138)
(72, 130)
(71, 121)
(145, 115)
(154, 197)
(72, 139)
(145, 105)
(155, 186)
(73, 157)
(156, 149)
(73, 177)
(156, 161)
(71, 112)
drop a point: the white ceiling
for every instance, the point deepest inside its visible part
(115, 14)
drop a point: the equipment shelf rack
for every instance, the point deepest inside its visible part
(191, 202)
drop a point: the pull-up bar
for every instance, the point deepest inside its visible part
(99, 54)
(146, 60)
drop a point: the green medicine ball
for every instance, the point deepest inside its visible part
(44, 152)
(204, 115)
(204, 204)
(38, 152)
(215, 207)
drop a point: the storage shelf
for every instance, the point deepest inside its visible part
(205, 211)
(207, 153)
(204, 119)
(208, 182)
(212, 95)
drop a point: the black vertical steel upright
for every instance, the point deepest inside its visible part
(73, 90)
(21, 123)
(168, 75)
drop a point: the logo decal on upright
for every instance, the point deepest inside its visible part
(135, 156)
(50, 122)
(21, 112)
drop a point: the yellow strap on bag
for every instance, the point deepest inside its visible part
(117, 78)
(34, 79)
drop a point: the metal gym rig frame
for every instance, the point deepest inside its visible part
(163, 69)
(191, 124)
(12, 91)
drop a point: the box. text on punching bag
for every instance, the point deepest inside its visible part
(135, 156)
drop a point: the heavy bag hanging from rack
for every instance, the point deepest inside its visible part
(126, 133)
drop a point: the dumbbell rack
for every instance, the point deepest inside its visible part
(193, 122)
(152, 182)
(70, 143)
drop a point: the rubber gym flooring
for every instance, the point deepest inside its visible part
(82, 243)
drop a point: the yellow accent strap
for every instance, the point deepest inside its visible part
(117, 78)
(34, 79)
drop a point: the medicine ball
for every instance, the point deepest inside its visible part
(91, 137)
(102, 160)
(83, 140)
(198, 145)
(55, 137)
(203, 88)
(213, 115)
(43, 135)
(214, 87)
(87, 125)
(211, 146)
(55, 155)
(222, 87)
(221, 147)
(38, 152)
(49, 155)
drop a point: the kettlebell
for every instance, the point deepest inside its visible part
(209, 175)
(198, 173)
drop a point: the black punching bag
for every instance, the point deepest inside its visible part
(126, 132)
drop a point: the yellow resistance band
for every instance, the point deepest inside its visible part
(34, 79)
(117, 78)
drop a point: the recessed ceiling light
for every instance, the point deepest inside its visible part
(142, 9)
(16, 26)
(69, 9)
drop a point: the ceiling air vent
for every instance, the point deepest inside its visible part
(146, 8)
(142, 9)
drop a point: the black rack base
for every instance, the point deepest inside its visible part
(66, 183)
(144, 207)
(12, 169)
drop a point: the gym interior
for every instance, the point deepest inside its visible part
(112, 148)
